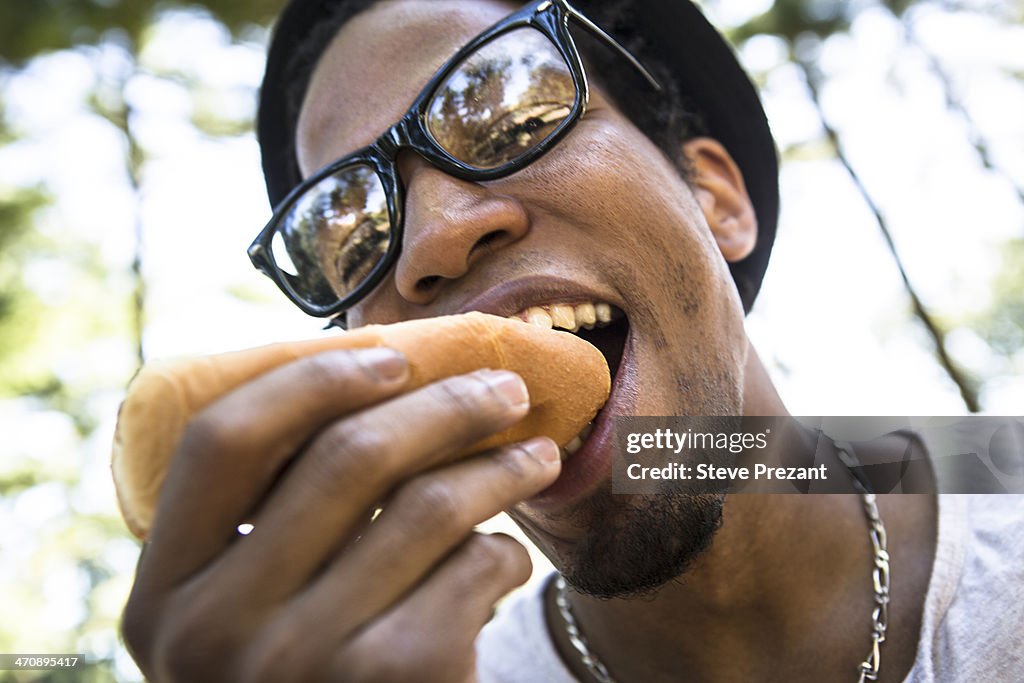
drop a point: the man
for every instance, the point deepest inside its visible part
(508, 188)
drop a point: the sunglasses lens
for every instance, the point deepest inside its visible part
(335, 234)
(503, 100)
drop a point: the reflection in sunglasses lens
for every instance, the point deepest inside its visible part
(503, 100)
(335, 234)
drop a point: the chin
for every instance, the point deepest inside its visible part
(630, 546)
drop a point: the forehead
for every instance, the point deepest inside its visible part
(376, 65)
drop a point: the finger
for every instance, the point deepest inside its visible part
(233, 450)
(438, 624)
(429, 516)
(353, 464)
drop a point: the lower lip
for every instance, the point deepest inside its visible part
(584, 470)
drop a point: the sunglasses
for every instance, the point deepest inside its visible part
(503, 100)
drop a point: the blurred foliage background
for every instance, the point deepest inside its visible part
(118, 118)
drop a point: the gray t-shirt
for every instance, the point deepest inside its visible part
(972, 629)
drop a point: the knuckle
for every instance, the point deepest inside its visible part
(196, 642)
(346, 455)
(394, 668)
(366, 668)
(210, 431)
(497, 556)
(484, 555)
(364, 437)
(512, 463)
(328, 370)
(464, 396)
(137, 627)
(372, 658)
(330, 461)
(179, 655)
(431, 500)
(282, 653)
(323, 371)
(321, 377)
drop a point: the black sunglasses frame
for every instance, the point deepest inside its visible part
(550, 17)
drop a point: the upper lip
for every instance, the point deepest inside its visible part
(509, 298)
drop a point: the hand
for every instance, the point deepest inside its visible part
(318, 592)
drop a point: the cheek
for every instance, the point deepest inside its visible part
(613, 182)
(648, 233)
(379, 308)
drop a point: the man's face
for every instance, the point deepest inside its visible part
(603, 217)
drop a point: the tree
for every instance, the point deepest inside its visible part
(805, 27)
(74, 311)
(72, 318)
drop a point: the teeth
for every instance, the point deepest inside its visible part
(577, 441)
(586, 315)
(535, 315)
(563, 315)
(569, 317)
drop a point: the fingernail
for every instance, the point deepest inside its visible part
(508, 386)
(382, 363)
(542, 449)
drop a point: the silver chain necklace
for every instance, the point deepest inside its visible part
(867, 670)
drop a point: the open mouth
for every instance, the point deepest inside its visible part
(600, 323)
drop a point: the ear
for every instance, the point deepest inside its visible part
(718, 185)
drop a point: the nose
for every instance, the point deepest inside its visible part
(450, 224)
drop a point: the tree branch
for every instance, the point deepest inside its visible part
(965, 385)
(955, 106)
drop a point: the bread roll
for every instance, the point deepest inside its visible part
(567, 378)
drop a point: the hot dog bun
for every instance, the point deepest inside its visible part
(567, 378)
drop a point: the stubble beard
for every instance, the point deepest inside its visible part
(635, 544)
